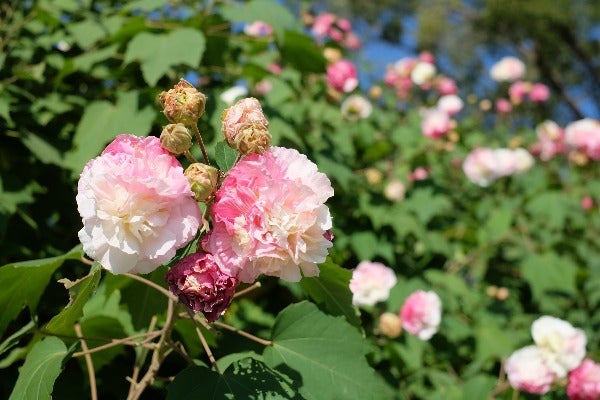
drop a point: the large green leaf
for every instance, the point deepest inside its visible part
(80, 292)
(102, 122)
(157, 53)
(331, 288)
(326, 352)
(549, 272)
(42, 366)
(300, 51)
(23, 284)
(247, 378)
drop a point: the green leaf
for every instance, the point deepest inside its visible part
(496, 225)
(42, 366)
(326, 352)
(247, 378)
(5, 110)
(549, 272)
(43, 150)
(102, 122)
(86, 32)
(273, 13)
(425, 204)
(331, 288)
(157, 53)
(225, 156)
(300, 51)
(80, 292)
(24, 282)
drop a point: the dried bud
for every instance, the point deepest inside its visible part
(176, 139)
(245, 127)
(203, 180)
(252, 137)
(183, 104)
(201, 285)
(390, 325)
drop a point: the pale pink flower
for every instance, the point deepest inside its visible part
(539, 93)
(523, 160)
(395, 190)
(263, 87)
(322, 24)
(451, 104)
(356, 107)
(136, 205)
(422, 73)
(508, 69)
(551, 140)
(518, 90)
(505, 162)
(344, 24)
(269, 217)
(404, 66)
(352, 42)
(503, 106)
(201, 285)
(436, 123)
(584, 381)
(584, 135)
(562, 346)
(371, 283)
(480, 166)
(421, 314)
(342, 76)
(274, 68)
(526, 370)
(587, 203)
(258, 29)
(427, 57)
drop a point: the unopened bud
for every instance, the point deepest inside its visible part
(183, 104)
(203, 180)
(390, 325)
(176, 139)
(252, 137)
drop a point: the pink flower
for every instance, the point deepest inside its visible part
(342, 76)
(539, 93)
(201, 285)
(527, 371)
(503, 106)
(258, 29)
(451, 104)
(322, 24)
(584, 381)
(435, 124)
(136, 205)
(421, 314)
(352, 42)
(507, 69)
(587, 203)
(518, 90)
(244, 123)
(269, 217)
(419, 174)
(584, 135)
(356, 107)
(371, 283)
(446, 85)
(562, 347)
(427, 57)
(551, 140)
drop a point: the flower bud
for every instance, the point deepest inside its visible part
(252, 137)
(176, 139)
(183, 104)
(203, 180)
(390, 325)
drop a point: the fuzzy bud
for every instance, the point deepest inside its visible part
(390, 325)
(183, 104)
(176, 139)
(203, 180)
(252, 137)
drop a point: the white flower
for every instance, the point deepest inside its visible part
(527, 371)
(507, 69)
(422, 73)
(371, 283)
(356, 107)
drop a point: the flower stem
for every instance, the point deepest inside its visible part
(209, 353)
(201, 143)
(250, 288)
(88, 362)
(161, 289)
(190, 157)
(244, 333)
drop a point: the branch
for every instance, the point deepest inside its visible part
(161, 289)
(244, 333)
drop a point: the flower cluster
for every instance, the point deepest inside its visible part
(557, 353)
(484, 165)
(268, 214)
(437, 122)
(339, 30)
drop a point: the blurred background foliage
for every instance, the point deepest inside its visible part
(75, 73)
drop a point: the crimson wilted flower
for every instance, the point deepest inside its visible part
(201, 285)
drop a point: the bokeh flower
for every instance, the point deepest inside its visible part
(584, 381)
(269, 217)
(342, 76)
(421, 314)
(584, 135)
(526, 370)
(136, 205)
(508, 69)
(371, 283)
(201, 286)
(356, 107)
